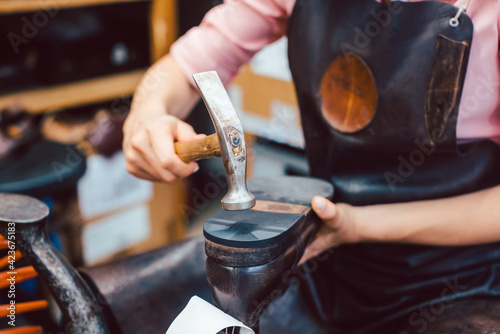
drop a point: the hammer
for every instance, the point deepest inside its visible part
(228, 142)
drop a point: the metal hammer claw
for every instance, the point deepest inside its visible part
(228, 141)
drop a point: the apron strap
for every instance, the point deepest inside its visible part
(454, 21)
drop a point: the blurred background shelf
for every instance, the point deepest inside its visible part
(163, 30)
(66, 62)
(18, 6)
(71, 95)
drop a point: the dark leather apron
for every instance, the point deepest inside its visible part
(400, 147)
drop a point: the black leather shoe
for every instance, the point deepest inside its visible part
(252, 254)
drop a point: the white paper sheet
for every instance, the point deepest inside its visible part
(201, 317)
(115, 233)
(272, 61)
(282, 126)
(107, 186)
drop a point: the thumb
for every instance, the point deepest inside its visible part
(325, 209)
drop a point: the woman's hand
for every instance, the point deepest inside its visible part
(453, 221)
(338, 227)
(153, 124)
(149, 148)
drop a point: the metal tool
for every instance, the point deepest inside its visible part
(228, 141)
(23, 223)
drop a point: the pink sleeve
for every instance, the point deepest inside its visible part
(230, 35)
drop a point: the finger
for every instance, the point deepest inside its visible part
(143, 175)
(326, 210)
(169, 160)
(141, 161)
(145, 160)
(139, 169)
(154, 167)
(146, 177)
(320, 244)
(164, 151)
(325, 237)
(185, 132)
(200, 135)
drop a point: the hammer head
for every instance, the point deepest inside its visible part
(231, 140)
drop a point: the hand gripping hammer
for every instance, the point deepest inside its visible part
(228, 142)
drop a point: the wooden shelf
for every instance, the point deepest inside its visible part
(74, 94)
(163, 27)
(19, 6)
(163, 31)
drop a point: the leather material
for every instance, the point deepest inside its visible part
(146, 298)
(394, 157)
(45, 168)
(252, 255)
(407, 152)
(145, 292)
(245, 292)
(462, 317)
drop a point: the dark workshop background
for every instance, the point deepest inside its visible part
(68, 70)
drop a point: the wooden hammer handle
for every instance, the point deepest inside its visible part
(193, 150)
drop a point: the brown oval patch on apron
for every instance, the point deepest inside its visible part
(348, 94)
